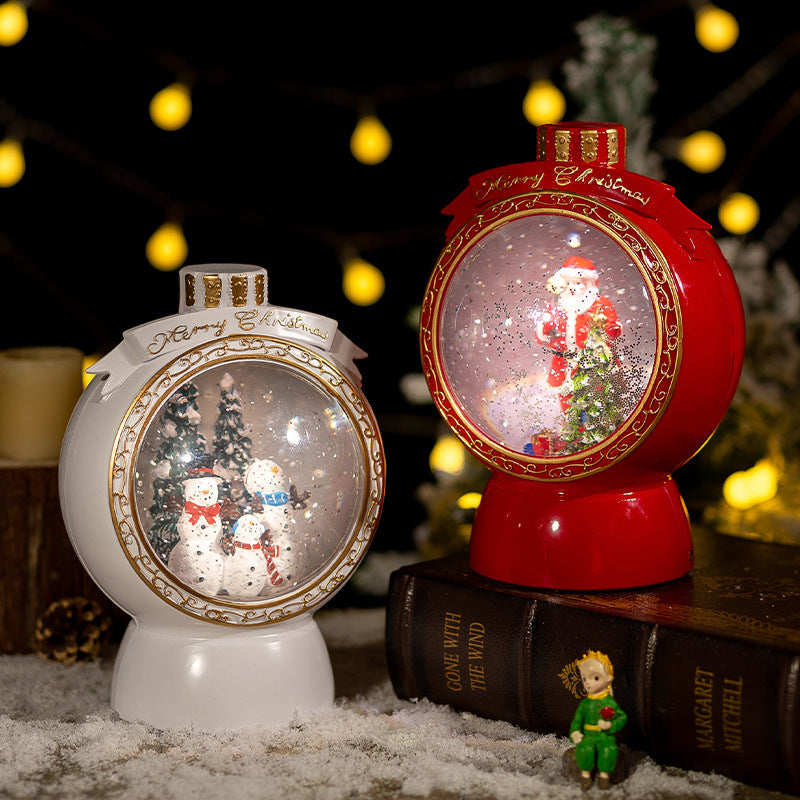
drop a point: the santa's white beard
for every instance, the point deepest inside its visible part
(577, 302)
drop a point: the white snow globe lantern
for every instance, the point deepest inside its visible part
(221, 478)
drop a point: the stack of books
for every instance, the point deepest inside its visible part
(706, 667)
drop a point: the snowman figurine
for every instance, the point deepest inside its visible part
(250, 565)
(273, 500)
(196, 559)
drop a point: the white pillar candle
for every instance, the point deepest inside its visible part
(39, 387)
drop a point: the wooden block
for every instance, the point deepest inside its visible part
(38, 565)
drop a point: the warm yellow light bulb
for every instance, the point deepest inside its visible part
(167, 249)
(469, 500)
(363, 283)
(370, 143)
(12, 162)
(703, 151)
(171, 108)
(543, 103)
(716, 29)
(756, 485)
(448, 455)
(13, 22)
(739, 213)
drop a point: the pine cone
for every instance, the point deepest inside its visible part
(72, 629)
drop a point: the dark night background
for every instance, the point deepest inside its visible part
(262, 174)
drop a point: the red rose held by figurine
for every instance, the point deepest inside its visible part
(606, 712)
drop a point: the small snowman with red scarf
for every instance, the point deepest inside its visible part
(273, 500)
(196, 559)
(250, 566)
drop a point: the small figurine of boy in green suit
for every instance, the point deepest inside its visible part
(596, 721)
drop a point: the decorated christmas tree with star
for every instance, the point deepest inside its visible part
(596, 405)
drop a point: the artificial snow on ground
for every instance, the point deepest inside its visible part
(60, 739)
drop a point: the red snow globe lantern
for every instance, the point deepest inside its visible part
(583, 335)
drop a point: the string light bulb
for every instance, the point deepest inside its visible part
(716, 29)
(370, 142)
(13, 22)
(739, 213)
(363, 283)
(743, 490)
(469, 500)
(171, 108)
(166, 249)
(12, 163)
(703, 151)
(543, 103)
(448, 455)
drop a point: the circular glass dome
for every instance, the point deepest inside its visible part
(254, 481)
(547, 335)
(550, 335)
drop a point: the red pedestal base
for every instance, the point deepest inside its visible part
(556, 537)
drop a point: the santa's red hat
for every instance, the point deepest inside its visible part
(578, 267)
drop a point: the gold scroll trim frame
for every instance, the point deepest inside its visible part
(149, 402)
(663, 295)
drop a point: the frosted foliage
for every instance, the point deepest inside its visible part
(303, 515)
(771, 299)
(497, 360)
(765, 403)
(61, 740)
(613, 81)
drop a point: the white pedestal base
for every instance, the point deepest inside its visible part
(252, 678)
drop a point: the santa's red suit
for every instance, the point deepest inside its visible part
(565, 324)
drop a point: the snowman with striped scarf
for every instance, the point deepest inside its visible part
(272, 501)
(250, 565)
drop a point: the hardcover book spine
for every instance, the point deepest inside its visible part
(693, 700)
(449, 645)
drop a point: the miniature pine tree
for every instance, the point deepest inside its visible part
(596, 404)
(181, 443)
(231, 447)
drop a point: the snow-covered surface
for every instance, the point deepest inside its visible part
(60, 739)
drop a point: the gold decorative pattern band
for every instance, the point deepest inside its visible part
(188, 281)
(260, 289)
(239, 290)
(213, 290)
(561, 142)
(589, 141)
(612, 142)
(582, 142)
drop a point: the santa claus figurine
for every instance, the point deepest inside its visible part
(567, 321)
